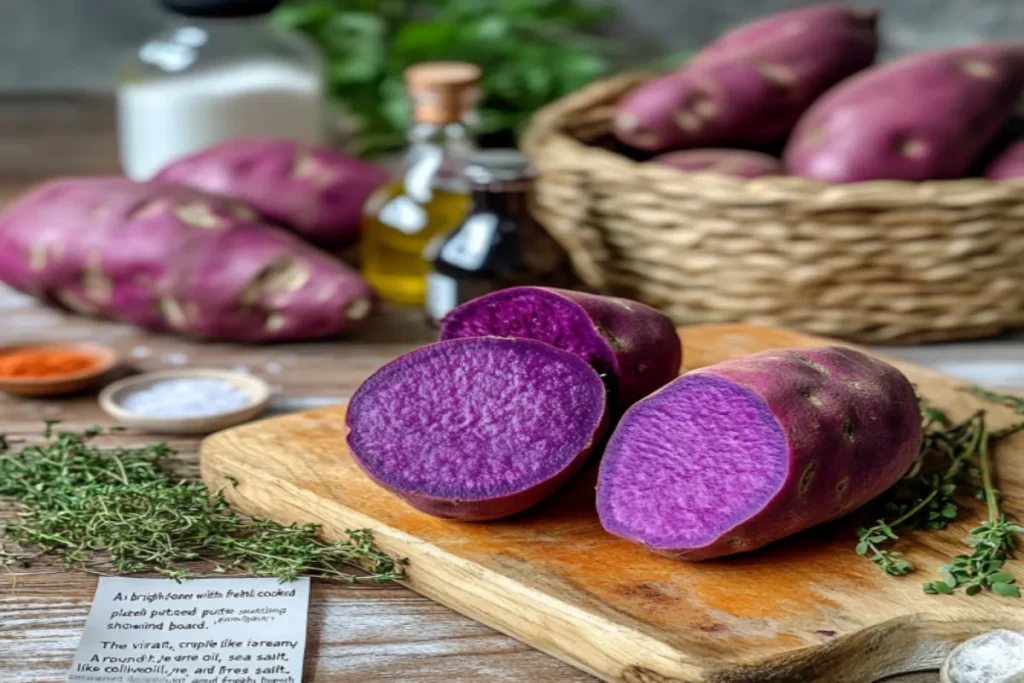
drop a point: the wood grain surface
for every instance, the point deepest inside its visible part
(805, 609)
(357, 634)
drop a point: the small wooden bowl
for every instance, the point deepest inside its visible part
(106, 360)
(112, 401)
(946, 677)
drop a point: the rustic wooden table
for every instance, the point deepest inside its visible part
(357, 633)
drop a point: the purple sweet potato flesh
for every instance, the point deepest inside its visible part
(749, 92)
(923, 117)
(732, 162)
(635, 347)
(316, 192)
(734, 456)
(170, 258)
(477, 429)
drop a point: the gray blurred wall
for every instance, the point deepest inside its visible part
(73, 45)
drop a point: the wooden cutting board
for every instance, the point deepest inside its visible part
(805, 609)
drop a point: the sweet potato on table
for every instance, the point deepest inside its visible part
(171, 258)
(477, 429)
(737, 455)
(316, 192)
(927, 116)
(633, 346)
(753, 84)
(732, 162)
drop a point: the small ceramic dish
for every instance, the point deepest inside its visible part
(106, 360)
(112, 402)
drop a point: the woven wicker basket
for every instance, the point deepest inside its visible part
(877, 262)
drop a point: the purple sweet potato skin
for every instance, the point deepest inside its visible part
(732, 162)
(749, 91)
(927, 116)
(789, 24)
(1009, 164)
(641, 348)
(314, 191)
(486, 422)
(170, 258)
(853, 428)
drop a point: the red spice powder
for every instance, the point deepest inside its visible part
(44, 363)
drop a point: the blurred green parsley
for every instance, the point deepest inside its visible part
(531, 52)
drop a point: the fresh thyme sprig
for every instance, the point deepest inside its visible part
(1014, 403)
(85, 504)
(925, 497)
(992, 542)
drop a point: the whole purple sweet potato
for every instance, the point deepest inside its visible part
(788, 24)
(737, 455)
(731, 162)
(477, 429)
(171, 258)
(1005, 160)
(926, 116)
(314, 191)
(752, 85)
(633, 346)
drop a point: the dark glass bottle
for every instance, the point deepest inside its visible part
(498, 244)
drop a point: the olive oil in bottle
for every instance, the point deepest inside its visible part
(499, 244)
(430, 197)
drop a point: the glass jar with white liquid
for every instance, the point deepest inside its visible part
(220, 71)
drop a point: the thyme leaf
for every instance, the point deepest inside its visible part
(953, 456)
(86, 505)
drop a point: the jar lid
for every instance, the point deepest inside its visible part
(442, 92)
(499, 166)
(221, 8)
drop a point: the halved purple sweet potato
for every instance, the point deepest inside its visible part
(633, 346)
(737, 455)
(477, 429)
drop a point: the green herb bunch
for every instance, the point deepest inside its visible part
(954, 457)
(95, 507)
(531, 52)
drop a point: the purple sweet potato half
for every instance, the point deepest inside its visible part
(734, 456)
(314, 191)
(477, 429)
(170, 258)
(752, 85)
(732, 162)
(923, 117)
(633, 346)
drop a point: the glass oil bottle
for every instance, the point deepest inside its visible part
(499, 244)
(430, 196)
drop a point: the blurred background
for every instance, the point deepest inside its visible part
(61, 45)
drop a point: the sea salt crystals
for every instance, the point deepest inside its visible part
(995, 657)
(186, 397)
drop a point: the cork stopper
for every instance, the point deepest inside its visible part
(442, 92)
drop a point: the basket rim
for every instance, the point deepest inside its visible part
(547, 143)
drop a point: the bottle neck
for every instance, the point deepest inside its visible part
(502, 201)
(217, 25)
(436, 158)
